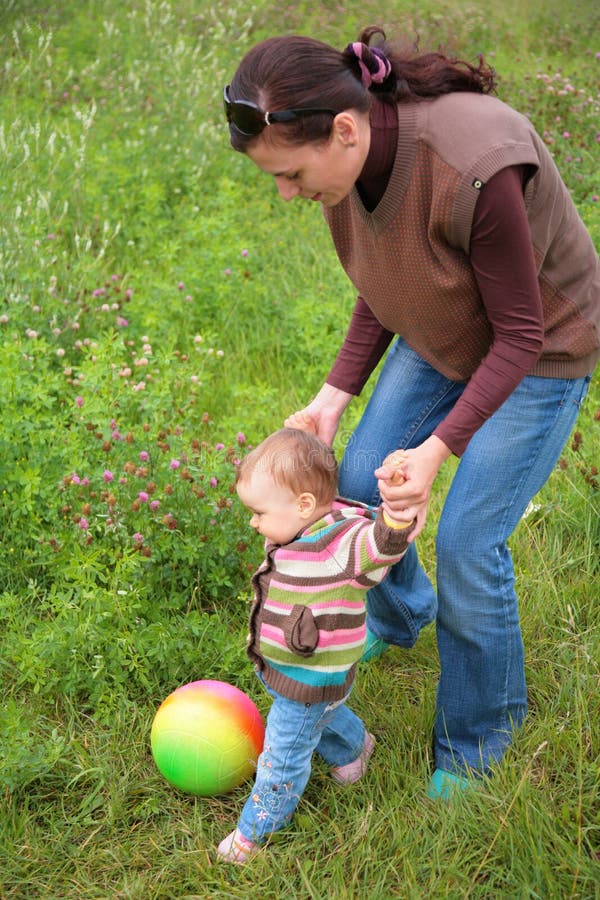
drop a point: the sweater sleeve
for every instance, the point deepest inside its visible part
(365, 343)
(371, 547)
(502, 257)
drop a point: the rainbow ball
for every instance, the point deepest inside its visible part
(206, 737)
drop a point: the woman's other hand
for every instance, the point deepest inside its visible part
(323, 413)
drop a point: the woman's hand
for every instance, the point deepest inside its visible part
(322, 415)
(418, 468)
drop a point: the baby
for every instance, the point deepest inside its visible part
(307, 623)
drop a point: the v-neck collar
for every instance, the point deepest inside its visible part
(387, 208)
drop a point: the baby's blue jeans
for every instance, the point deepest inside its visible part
(294, 731)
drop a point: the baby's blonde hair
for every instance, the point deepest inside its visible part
(295, 460)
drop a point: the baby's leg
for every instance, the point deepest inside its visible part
(283, 769)
(345, 745)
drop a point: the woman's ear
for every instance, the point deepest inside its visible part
(307, 503)
(345, 128)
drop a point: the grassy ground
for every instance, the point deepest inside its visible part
(157, 299)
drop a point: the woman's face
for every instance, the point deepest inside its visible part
(324, 173)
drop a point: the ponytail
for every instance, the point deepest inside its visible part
(419, 76)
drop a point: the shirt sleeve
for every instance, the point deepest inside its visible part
(365, 343)
(502, 257)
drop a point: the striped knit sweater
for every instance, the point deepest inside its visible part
(307, 625)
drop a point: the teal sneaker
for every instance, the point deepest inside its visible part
(444, 784)
(374, 647)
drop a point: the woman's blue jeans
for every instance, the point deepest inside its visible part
(294, 732)
(482, 694)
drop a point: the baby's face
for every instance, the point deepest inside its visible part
(276, 511)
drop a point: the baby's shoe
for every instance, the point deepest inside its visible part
(350, 773)
(236, 848)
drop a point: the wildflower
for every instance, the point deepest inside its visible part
(154, 505)
(108, 475)
(121, 322)
(226, 271)
(143, 497)
(244, 253)
(75, 479)
(137, 538)
(213, 481)
(219, 446)
(566, 134)
(83, 524)
(60, 352)
(198, 339)
(241, 437)
(144, 456)
(180, 286)
(79, 401)
(174, 464)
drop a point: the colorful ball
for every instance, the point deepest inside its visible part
(206, 737)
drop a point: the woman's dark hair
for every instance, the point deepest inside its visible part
(293, 72)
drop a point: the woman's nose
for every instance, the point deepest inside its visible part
(287, 190)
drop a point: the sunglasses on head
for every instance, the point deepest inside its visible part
(249, 119)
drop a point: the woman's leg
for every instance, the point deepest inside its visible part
(482, 692)
(408, 401)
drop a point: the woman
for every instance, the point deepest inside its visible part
(448, 215)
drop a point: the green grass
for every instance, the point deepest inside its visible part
(134, 324)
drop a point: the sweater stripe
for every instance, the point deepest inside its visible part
(313, 677)
(333, 607)
(322, 660)
(340, 639)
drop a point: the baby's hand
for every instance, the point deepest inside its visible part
(391, 517)
(302, 421)
(395, 459)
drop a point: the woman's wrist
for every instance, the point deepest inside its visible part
(435, 450)
(332, 396)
